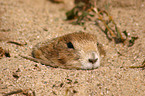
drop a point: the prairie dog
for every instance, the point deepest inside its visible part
(77, 50)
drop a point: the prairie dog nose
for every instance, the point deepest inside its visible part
(93, 58)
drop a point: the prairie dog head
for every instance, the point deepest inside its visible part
(72, 51)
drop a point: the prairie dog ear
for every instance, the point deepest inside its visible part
(101, 49)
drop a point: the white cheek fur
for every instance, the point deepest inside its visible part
(97, 64)
(87, 65)
(85, 60)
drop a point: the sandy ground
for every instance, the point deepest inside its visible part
(34, 21)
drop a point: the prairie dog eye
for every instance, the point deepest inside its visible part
(70, 45)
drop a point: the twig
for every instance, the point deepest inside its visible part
(17, 43)
(140, 66)
(25, 92)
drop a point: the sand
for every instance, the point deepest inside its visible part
(35, 21)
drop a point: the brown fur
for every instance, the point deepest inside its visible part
(56, 53)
